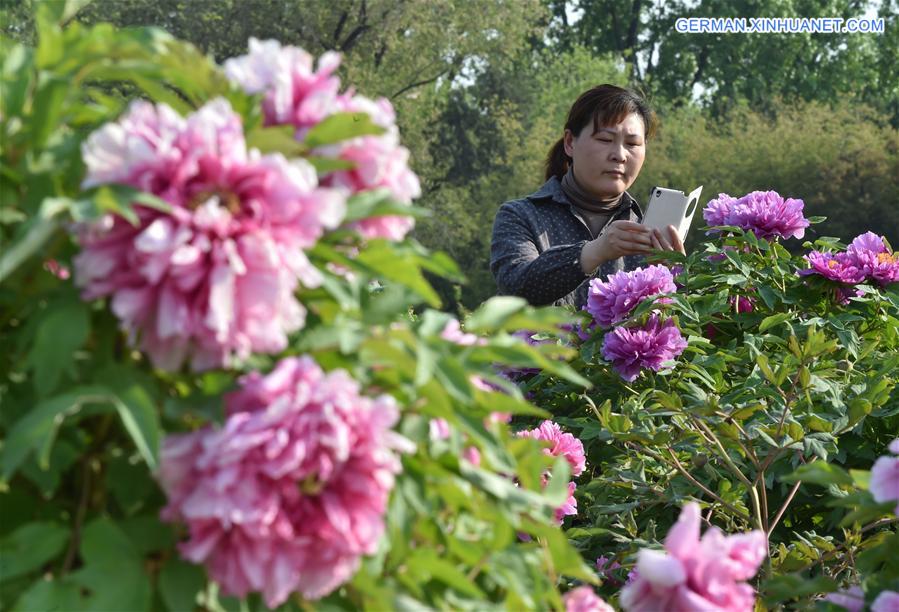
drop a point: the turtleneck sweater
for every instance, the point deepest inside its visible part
(595, 212)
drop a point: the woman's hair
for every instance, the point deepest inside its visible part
(604, 105)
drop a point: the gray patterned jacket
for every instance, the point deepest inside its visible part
(536, 248)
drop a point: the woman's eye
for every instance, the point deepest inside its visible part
(605, 140)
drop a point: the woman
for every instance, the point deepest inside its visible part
(582, 223)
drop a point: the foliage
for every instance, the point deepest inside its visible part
(84, 415)
(762, 406)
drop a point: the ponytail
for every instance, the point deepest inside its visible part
(557, 161)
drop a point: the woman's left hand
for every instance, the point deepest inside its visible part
(671, 242)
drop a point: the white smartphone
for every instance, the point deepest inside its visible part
(671, 207)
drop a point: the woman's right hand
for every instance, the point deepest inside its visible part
(619, 238)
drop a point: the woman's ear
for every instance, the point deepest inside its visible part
(568, 142)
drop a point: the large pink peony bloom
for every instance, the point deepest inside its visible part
(869, 253)
(291, 491)
(836, 267)
(717, 211)
(884, 484)
(297, 95)
(566, 445)
(380, 163)
(696, 574)
(887, 601)
(583, 599)
(213, 279)
(765, 213)
(612, 301)
(295, 92)
(631, 349)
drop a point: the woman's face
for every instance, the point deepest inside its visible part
(607, 163)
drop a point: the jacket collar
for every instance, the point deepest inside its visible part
(552, 190)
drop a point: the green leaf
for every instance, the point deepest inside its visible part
(29, 547)
(425, 564)
(63, 329)
(791, 586)
(275, 139)
(388, 262)
(821, 473)
(775, 319)
(494, 312)
(762, 361)
(341, 126)
(18, 72)
(49, 105)
(106, 553)
(180, 583)
(141, 420)
(51, 595)
(37, 429)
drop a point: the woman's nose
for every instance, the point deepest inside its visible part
(617, 153)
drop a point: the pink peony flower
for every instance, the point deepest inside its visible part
(887, 601)
(291, 491)
(765, 213)
(453, 332)
(630, 349)
(583, 599)
(295, 92)
(213, 279)
(612, 301)
(568, 446)
(836, 267)
(563, 443)
(696, 574)
(853, 599)
(717, 211)
(297, 95)
(379, 162)
(438, 429)
(869, 254)
(884, 484)
(472, 455)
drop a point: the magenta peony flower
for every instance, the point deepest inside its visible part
(630, 349)
(884, 484)
(742, 303)
(717, 211)
(213, 279)
(612, 301)
(765, 213)
(571, 448)
(887, 601)
(869, 253)
(583, 599)
(853, 599)
(291, 491)
(696, 574)
(297, 95)
(563, 443)
(836, 267)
